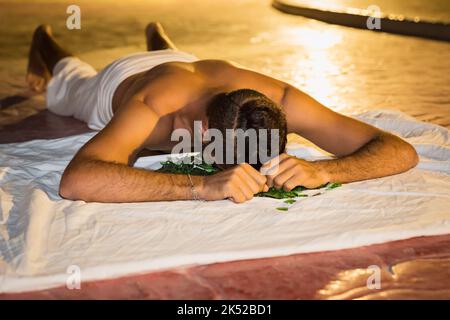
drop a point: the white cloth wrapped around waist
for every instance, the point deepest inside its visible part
(77, 90)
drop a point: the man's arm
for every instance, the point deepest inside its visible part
(363, 151)
(101, 170)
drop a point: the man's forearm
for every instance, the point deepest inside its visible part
(99, 181)
(384, 155)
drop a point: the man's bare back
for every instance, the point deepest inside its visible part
(178, 91)
(147, 107)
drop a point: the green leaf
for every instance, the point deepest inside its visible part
(281, 194)
(282, 208)
(290, 201)
(179, 167)
(333, 185)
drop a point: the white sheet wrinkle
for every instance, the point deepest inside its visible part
(42, 235)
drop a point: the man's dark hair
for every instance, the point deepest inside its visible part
(246, 109)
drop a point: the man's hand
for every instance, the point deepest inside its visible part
(239, 183)
(287, 172)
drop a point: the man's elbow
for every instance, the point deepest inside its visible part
(412, 158)
(409, 156)
(67, 189)
(70, 186)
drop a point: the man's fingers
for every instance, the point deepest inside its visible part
(237, 189)
(246, 191)
(237, 196)
(278, 158)
(271, 166)
(280, 180)
(255, 174)
(277, 165)
(286, 165)
(245, 184)
(249, 182)
(254, 179)
(291, 183)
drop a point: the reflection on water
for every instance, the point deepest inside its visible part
(352, 70)
(318, 62)
(417, 279)
(312, 37)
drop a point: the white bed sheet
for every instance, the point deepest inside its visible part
(42, 235)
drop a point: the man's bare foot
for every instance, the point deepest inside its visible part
(157, 38)
(38, 74)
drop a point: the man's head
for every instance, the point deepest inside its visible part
(247, 109)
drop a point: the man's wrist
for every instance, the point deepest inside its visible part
(198, 183)
(323, 171)
(194, 193)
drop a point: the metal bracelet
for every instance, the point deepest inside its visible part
(193, 191)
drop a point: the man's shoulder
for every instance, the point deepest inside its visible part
(216, 66)
(201, 72)
(170, 90)
(232, 75)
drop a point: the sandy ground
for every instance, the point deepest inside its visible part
(348, 70)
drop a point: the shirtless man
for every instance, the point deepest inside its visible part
(137, 102)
